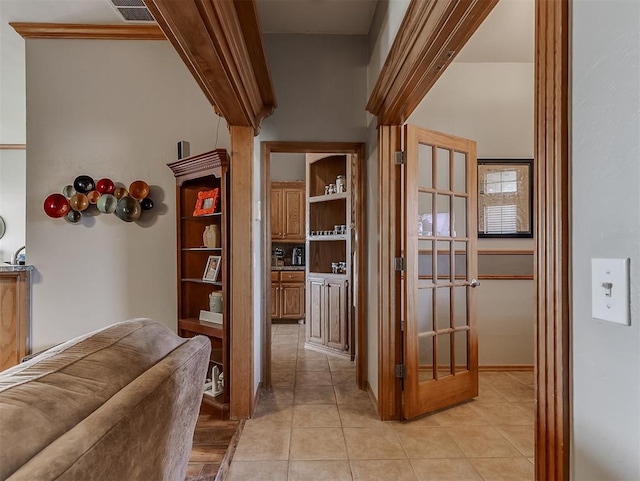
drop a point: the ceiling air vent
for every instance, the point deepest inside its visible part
(132, 10)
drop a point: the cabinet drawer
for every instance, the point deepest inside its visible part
(275, 276)
(291, 276)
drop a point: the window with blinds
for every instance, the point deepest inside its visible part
(504, 198)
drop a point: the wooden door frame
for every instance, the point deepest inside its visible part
(410, 70)
(269, 148)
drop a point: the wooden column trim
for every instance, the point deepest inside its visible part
(88, 31)
(221, 44)
(430, 36)
(389, 335)
(552, 242)
(241, 380)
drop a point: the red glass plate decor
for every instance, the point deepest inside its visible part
(207, 202)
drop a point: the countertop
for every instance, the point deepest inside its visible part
(15, 268)
(287, 268)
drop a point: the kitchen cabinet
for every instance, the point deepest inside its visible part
(287, 295)
(327, 314)
(329, 254)
(15, 339)
(288, 211)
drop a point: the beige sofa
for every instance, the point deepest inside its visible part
(117, 404)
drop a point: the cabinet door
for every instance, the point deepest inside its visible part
(293, 218)
(292, 301)
(315, 310)
(276, 213)
(337, 335)
(275, 300)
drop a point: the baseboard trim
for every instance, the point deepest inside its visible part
(374, 399)
(256, 398)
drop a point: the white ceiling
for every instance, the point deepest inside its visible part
(507, 35)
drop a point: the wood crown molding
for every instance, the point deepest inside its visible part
(552, 269)
(221, 43)
(88, 31)
(430, 36)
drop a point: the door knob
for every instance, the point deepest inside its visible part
(474, 283)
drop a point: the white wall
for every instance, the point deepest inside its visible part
(12, 196)
(384, 27)
(12, 83)
(287, 167)
(492, 103)
(320, 85)
(12, 131)
(605, 223)
(114, 109)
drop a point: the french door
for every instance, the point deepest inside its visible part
(440, 248)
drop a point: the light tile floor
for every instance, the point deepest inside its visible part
(316, 425)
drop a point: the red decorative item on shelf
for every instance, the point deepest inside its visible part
(56, 206)
(207, 202)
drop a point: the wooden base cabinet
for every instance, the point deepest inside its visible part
(287, 295)
(15, 339)
(327, 318)
(329, 253)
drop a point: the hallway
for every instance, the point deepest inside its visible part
(316, 425)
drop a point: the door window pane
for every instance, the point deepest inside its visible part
(425, 213)
(444, 261)
(425, 259)
(460, 172)
(460, 306)
(425, 311)
(444, 355)
(425, 165)
(460, 216)
(443, 164)
(460, 248)
(443, 307)
(441, 224)
(425, 358)
(460, 338)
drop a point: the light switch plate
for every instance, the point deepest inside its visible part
(610, 290)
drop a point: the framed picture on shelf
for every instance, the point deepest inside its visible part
(212, 269)
(505, 198)
(206, 202)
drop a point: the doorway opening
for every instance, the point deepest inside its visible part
(319, 253)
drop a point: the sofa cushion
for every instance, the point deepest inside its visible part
(45, 398)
